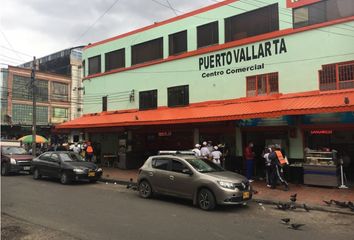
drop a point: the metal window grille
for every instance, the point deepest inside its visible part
(336, 76)
(264, 84)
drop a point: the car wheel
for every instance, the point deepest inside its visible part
(36, 174)
(206, 199)
(4, 170)
(64, 178)
(145, 190)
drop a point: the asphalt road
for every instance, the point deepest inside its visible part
(108, 211)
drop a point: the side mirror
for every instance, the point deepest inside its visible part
(187, 171)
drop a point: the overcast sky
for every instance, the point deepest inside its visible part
(41, 27)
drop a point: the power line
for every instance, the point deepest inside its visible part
(96, 21)
(8, 42)
(169, 4)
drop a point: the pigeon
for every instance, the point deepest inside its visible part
(296, 226)
(341, 204)
(283, 206)
(306, 208)
(293, 197)
(327, 202)
(285, 220)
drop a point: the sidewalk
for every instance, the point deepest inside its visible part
(310, 195)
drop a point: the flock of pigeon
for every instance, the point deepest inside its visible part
(291, 206)
(349, 204)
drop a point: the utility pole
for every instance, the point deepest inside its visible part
(34, 106)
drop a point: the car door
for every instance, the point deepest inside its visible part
(41, 163)
(159, 175)
(54, 165)
(181, 179)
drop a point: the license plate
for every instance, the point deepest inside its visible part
(91, 174)
(246, 195)
(26, 168)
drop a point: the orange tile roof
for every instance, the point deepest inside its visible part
(213, 111)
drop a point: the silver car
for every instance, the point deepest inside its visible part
(184, 175)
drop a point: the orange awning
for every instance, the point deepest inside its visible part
(213, 111)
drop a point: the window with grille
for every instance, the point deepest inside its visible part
(22, 89)
(322, 11)
(178, 43)
(60, 91)
(94, 65)
(252, 23)
(264, 84)
(148, 100)
(115, 59)
(59, 114)
(22, 114)
(208, 34)
(178, 96)
(336, 76)
(147, 51)
(104, 103)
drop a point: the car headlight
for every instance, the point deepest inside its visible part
(99, 170)
(13, 161)
(228, 185)
(78, 170)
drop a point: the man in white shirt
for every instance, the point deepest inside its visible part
(205, 153)
(196, 150)
(216, 155)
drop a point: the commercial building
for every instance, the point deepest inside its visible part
(236, 71)
(53, 101)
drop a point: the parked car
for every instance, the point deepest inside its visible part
(184, 175)
(65, 165)
(14, 158)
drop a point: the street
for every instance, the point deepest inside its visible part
(109, 211)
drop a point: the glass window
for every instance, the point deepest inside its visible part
(22, 114)
(22, 89)
(148, 100)
(202, 165)
(54, 157)
(44, 156)
(59, 114)
(252, 23)
(104, 103)
(208, 34)
(264, 84)
(60, 91)
(94, 65)
(177, 166)
(337, 76)
(115, 59)
(160, 163)
(147, 51)
(178, 43)
(178, 96)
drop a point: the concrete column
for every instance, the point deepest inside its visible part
(165, 47)
(238, 142)
(296, 145)
(196, 136)
(221, 31)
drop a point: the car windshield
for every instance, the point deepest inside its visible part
(13, 150)
(71, 157)
(202, 165)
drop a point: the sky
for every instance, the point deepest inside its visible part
(40, 27)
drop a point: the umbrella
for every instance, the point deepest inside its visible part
(28, 139)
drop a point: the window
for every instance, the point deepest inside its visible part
(178, 96)
(208, 34)
(178, 43)
(22, 89)
(45, 156)
(104, 103)
(59, 114)
(60, 91)
(54, 157)
(22, 114)
(252, 23)
(160, 163)
(83, 69)
(115, 59)
(177, 166)
(148, 100)
(147, 51)
(322, 11)
(265, 84)
(94, 65)
(337, 76)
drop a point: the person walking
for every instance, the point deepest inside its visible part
(216, 156)
(249, 157)
(196, 150)
(89, 152)
(268, 165)
(204, 151)
(278, 161)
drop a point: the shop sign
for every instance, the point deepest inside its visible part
(164, 134)
(279, 121)
(346, 117)
(321, 132)
(232, 58)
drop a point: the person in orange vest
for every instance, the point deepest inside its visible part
(89, 152)
(278, 161)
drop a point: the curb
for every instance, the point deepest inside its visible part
(257, 200)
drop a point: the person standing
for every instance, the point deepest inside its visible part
(196, 150)
(216, 155)
(89, 152)
(249, 157)
(204, 151)
(77, 148)
(268, 166)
